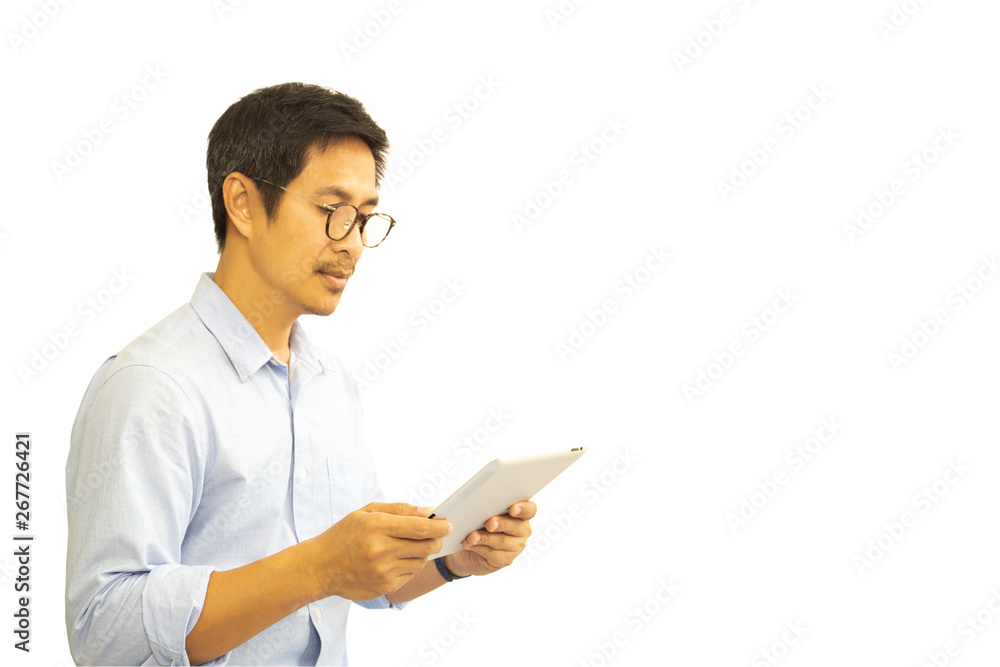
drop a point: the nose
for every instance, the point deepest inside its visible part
(351, 244)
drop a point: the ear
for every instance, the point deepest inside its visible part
(241, 197)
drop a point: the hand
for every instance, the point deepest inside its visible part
(495, 547)
(374, 550)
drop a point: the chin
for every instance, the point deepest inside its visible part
(323, 309)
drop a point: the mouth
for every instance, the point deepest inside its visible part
(337, 278)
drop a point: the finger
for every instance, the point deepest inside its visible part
(407, 567)
(494, 558)
(523, 510)
(399, 509)
(494, 541)
(505, 524)
(412, 527)
(392, 548)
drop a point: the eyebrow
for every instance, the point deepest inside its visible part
(343, 195)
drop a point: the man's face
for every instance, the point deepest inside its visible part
(294, 255)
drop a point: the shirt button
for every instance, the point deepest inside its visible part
(302, 474)
(319, 615)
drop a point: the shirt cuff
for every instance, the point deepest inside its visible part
(172, 600)
(381, 603)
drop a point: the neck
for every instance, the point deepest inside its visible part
(264, 307)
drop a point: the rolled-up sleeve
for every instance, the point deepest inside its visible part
(133, 482)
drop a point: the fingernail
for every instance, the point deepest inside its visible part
(516, 511)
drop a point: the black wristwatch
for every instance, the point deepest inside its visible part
(448, 575)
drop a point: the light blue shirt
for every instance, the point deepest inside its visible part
(192, 452)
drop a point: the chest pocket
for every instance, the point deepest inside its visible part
(347, 483)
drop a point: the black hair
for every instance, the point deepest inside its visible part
(267, 136)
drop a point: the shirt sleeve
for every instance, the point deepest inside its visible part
(133, 481)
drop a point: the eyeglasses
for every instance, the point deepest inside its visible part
(340, 220)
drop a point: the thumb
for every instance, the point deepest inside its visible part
(399, 509)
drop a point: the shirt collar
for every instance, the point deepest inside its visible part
(246, 350)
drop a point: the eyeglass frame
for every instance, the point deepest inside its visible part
(330, 208)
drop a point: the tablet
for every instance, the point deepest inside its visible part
(491, 491)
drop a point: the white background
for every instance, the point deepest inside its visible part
(135, 203)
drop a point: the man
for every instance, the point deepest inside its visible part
(222, 506)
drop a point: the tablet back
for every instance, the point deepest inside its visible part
(492, 490)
